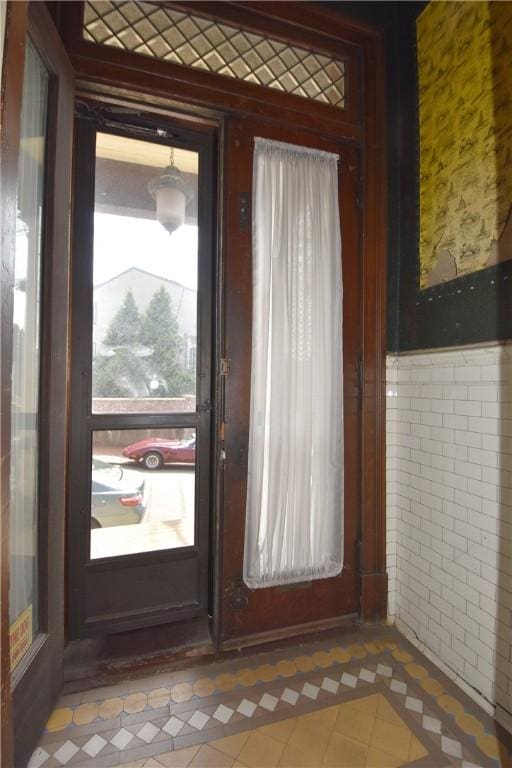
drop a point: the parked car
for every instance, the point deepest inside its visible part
(117, 497)
(154, 452)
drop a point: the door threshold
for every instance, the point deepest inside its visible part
(94, 662)
(350, 622)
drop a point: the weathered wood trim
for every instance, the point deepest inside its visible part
(260, 638)
(373, 512)
(11, 97)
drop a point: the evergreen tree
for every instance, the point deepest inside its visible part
(119, 371)
(124, 329)
(119, 374)
(142, 355)
(160, 332)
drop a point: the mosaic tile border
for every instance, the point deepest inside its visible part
(193, 709)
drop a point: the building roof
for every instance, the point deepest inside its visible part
(142, 272)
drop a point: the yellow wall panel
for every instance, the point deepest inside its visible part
(465, 98)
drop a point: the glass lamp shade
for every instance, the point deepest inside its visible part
(170, 208)
(171, 193)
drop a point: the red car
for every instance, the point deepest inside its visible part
(156, 451)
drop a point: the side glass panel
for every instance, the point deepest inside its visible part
(145, 277)
(142, 490)
(24, 595)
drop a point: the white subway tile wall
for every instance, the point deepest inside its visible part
(449, 512)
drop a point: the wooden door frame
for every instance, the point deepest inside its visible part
(166, 86)
(363, 123)
(31, 690)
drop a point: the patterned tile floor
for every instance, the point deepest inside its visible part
(370, 699)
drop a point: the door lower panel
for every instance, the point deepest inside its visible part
(150, 593)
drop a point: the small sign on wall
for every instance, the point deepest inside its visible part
(20, 636)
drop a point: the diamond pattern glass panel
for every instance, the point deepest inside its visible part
(171, 35)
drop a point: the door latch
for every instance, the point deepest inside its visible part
(225, 366)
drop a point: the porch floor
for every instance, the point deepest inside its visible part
(365, 699)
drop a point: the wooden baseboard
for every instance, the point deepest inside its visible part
(283, 633)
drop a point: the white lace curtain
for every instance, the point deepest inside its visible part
(294, 516)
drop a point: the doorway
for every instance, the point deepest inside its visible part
(105, 73)
(142, 402)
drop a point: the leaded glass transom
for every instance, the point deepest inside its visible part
(193, 41)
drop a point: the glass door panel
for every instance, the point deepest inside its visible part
(24, 592)
(145, 269)
(142, 491)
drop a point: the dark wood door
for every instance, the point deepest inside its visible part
(139, 505)
(244, 611)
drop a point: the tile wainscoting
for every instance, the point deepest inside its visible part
(449, 513)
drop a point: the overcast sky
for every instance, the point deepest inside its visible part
(121, 242)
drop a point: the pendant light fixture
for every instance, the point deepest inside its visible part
(172, 193)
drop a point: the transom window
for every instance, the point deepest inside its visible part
(193, 41)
